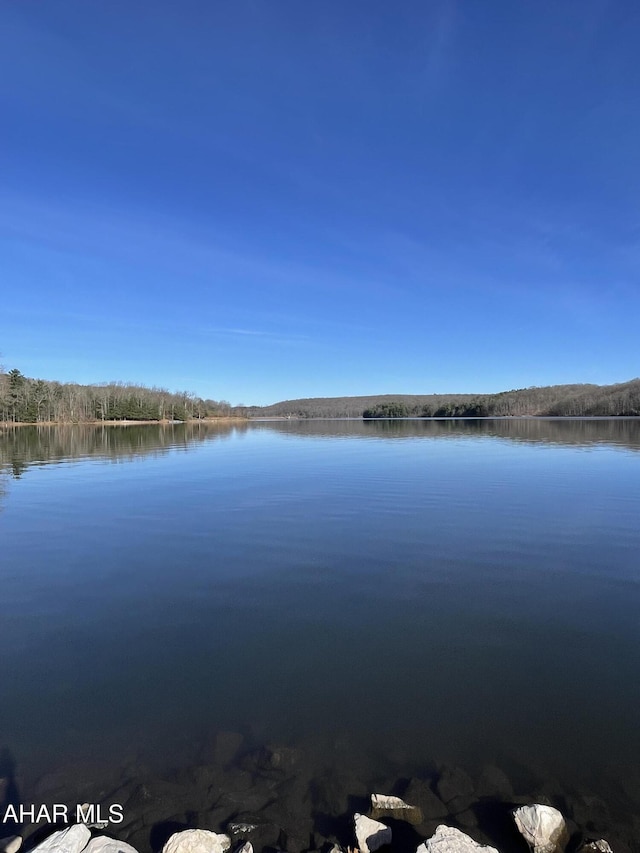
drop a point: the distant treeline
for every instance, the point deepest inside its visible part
(550, 401)
(24, 400)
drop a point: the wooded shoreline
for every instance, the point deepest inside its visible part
(222, 420)
(36, 401)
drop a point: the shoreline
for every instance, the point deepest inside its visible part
(226, 420)
(295, 419)
(281, 798)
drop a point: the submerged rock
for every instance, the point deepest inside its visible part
(385, 806)
(370, 834)
(455, 788)
(330, 791)
(431, 806)
(71, 840)
(467, 818)
(155, 799)
(543, 828)
(223, 748)
(272, 760)
(494, 783)
(447, 839)
(296, 825)
(197, 841)
(590, 812)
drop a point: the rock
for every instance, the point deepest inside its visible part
(271, 760)
(370, 834)
(155, 799)
(294, 793)
(197, 841)
(284, 757)
(225, 747)
(11, 844)
(600, 846)
(542, 827)
(430, 805)
(132, 828)
(258, 829)
(384, 806)
(140, 839)
(296, 843)
(590, 812)
(203, 777)
(238, 782)
(241, 827)
(467, 819)
(84, 810)
(247, 847)
(297, 826)
(104, 844)
(455, 788)
(74, 783)
(447, 839)
(494, 783)
(331, 790)
(73, 839)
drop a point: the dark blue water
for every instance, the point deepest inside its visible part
(461, 591)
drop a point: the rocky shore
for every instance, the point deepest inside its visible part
(249, 799)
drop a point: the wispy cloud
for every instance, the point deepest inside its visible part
(251, 332)
(154, 240)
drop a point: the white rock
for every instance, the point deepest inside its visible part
(247, 847)
(447, 839)
(197, 841)
(599, 846)
(11, 844)
(104, 844)
(542, 827)
(383, 801)
(371, 834)
(385, 806)
(71, 840)
(241, 828)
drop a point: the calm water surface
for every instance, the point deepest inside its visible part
(462, 590)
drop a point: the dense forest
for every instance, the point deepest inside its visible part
(549, 401)
(24, 400)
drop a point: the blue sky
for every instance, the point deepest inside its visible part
(257, 201)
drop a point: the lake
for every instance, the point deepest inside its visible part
(410, 592)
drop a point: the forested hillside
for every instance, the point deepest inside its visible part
(553, 400)
(352, 407)
(24, 400)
